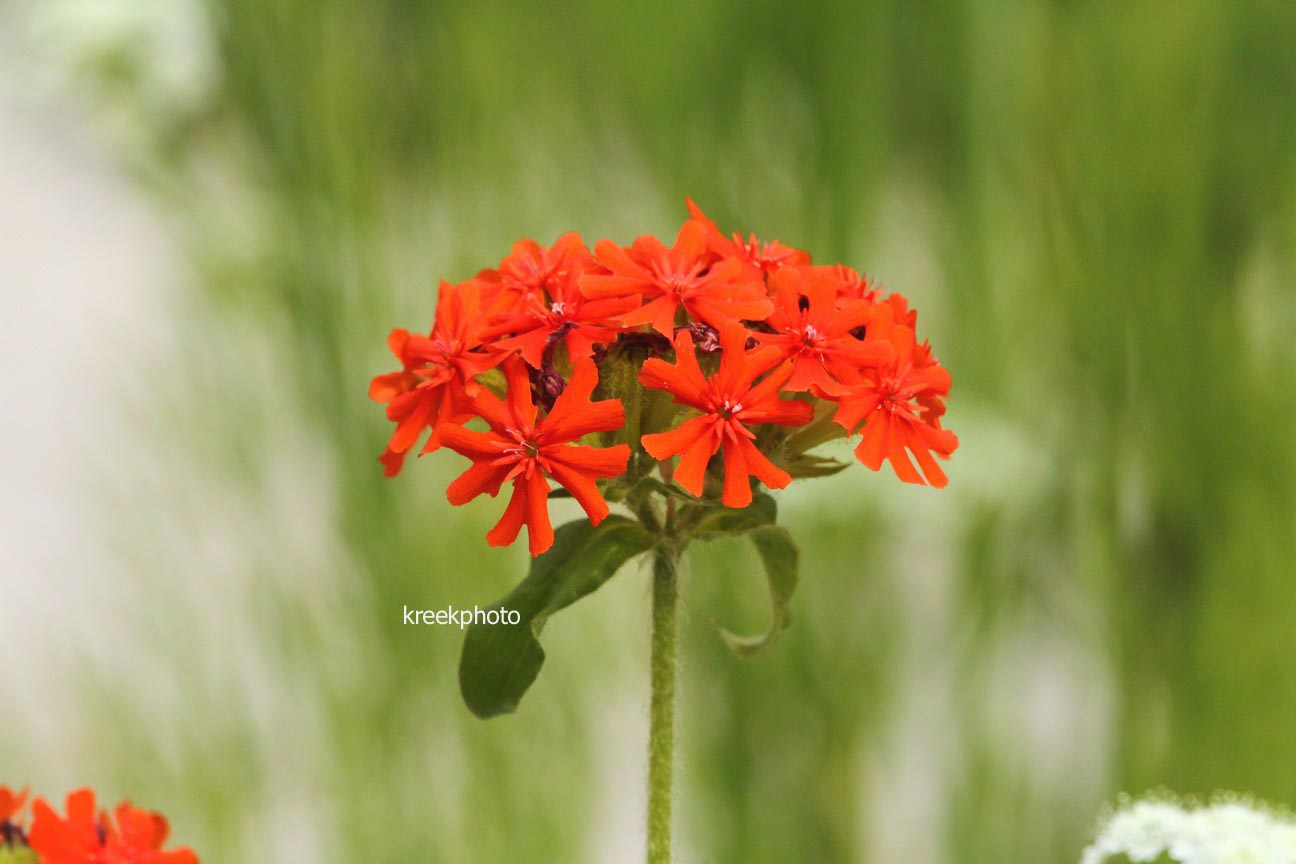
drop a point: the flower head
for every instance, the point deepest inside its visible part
(900, 404)
(130, 836)
(11, 803)
(685, 275)
(818, 334)
(434, 384)
(527, 449)
(531, 271)
(782, 336)
(1230, 829)
(850, 284)
(764, 257)
(731, 401)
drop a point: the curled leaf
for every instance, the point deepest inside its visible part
(780, 558)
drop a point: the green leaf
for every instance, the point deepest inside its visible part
(670, 490)
(806, 465)
(709, 522)
(500, 661)
(779, 555)
(819, 431)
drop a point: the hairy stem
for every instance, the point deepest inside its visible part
(661, 730)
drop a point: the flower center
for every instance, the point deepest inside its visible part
(525, 449)
(446, 349)
(729, 409)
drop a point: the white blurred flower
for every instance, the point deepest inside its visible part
(151, 58)
(1228, 831)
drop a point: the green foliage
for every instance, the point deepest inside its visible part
(500, 661)
(780, 558)
(708, 521)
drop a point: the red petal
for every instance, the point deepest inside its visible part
(492, 409)
(507, 528)
(684, 380)
(808, 371)
(480, 477)
(392, 462)
(766, 471)
(664, 445)
(768, 389)
(660, 312)
(873, 442)
(592, 461)
(540, 534)
(737, 482)
(690, 244)
(935, 476)
(519, 393)
(782, 412)
(530, 345)
(573, 416)
(396, 340)
(471, 443)
(899, 458)
(412, 425)
(618, 260)
(384, 388)
(855, 407)
(583, 489)
(693, 462)
(596, 285)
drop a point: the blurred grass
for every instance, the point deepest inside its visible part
(1091, 204)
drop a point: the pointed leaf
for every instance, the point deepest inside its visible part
(709, 522)
(500, 661)
(779, 555)
(807, 465)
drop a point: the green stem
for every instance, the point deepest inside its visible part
(661, 729)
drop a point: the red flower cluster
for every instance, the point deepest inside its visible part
(86, 835)
(524, 348)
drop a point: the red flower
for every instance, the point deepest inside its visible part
(11, 802)
(561, 314)
(684, 275)
(435, 382)
(134, 837)
(766, 257)
(817, 335)
(520, 449)
(850, 284)
(730, 402)
(900, 404)
(530, 271)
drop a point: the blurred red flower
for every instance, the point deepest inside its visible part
(131, 836)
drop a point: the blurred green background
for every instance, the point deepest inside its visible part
(1093, 205)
